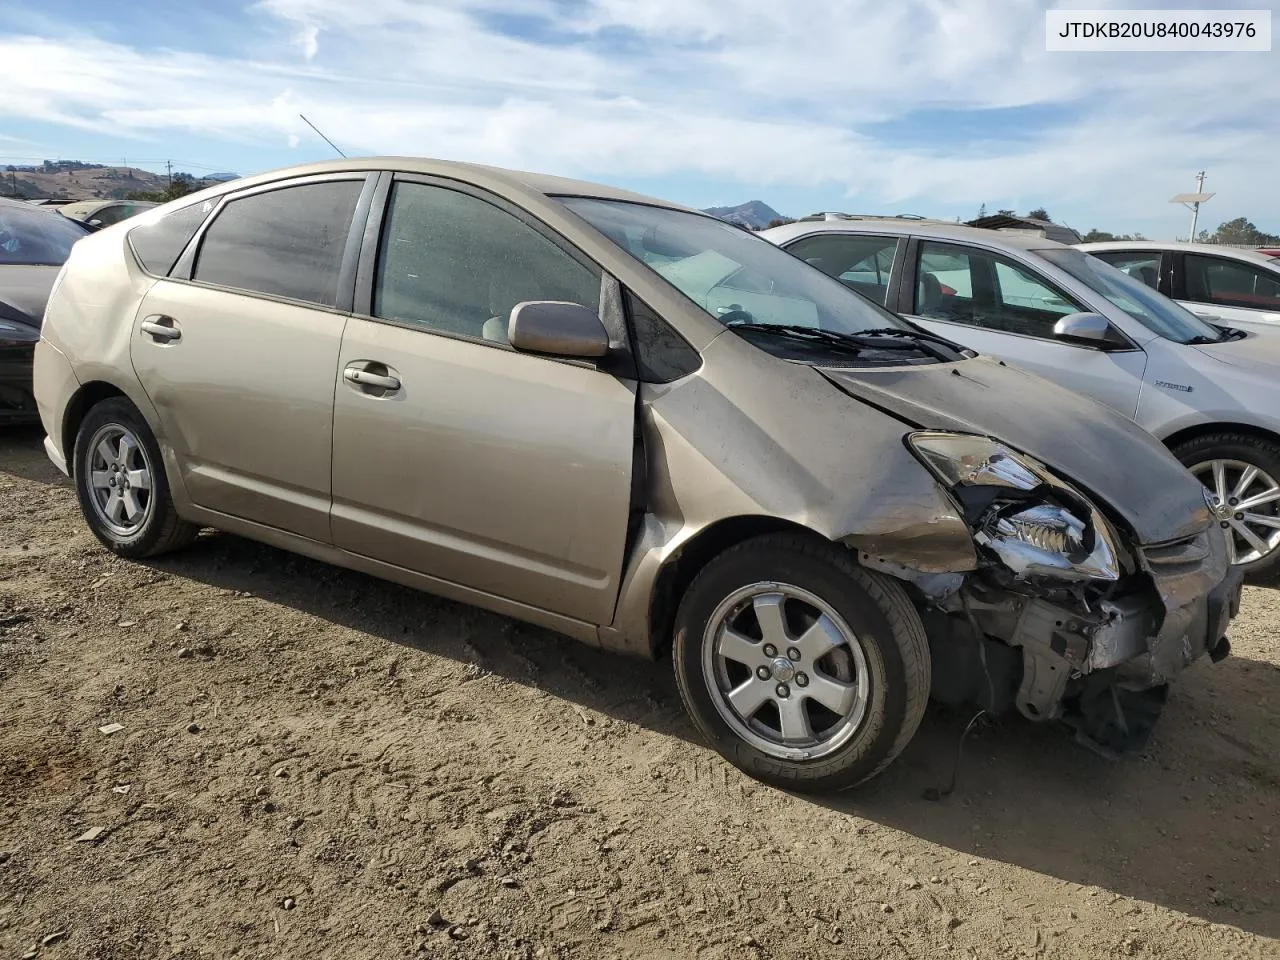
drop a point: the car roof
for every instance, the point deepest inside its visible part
(475, 173)
(77, 207)
(901, 226)
(1213, 249)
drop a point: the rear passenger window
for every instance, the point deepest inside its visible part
(455, 263)
(158, 245)
(861, 263)
(284, 243)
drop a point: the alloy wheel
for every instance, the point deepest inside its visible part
(118, 474)
(785, 671)
(1246, 502)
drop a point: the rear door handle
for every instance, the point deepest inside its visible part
(163, 329)
(357, 374)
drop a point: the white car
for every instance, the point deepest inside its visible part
(1220, 284)
(1210, 392)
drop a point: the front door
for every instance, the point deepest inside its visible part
(1005, 309)
(240, 359)
(455, 455)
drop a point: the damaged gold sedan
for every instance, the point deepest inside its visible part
(644, 428)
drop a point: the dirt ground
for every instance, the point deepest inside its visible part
(313, 763)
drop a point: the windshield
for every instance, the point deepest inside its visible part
(1153, 310)
(733, 275)
(35, 236)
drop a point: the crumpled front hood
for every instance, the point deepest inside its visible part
(1087, 444)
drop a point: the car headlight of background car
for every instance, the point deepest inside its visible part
(1031, 521)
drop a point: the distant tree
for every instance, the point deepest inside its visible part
(1040, 213)
(1005, 213)
(982, 211)
(1242, 231)
(1101, 236)
(778, 222)
(183, 183)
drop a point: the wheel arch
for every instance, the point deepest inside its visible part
(1208, 428)
(92, 392)
(677, 572)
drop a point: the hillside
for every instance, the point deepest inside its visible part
(86, 183)
(755, 214)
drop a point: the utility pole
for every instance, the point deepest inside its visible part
(1192, 202)
(1195, 207)
(168, 165)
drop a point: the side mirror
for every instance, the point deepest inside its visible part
(1087, 327)
(557, 328)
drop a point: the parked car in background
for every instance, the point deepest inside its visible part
(34, 243)
(104, 213)
(640, 426)
(1210, 392)
(1217, 283)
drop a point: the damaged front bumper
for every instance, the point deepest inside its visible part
(1100, 660)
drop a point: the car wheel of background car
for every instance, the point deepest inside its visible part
(1242, 473)
(801, 668)
(121, 484)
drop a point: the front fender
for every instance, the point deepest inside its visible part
(751, 436)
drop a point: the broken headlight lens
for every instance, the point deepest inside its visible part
(1031, 521)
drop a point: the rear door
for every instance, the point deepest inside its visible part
(456, 456)
(238, 349)
(1007, 309)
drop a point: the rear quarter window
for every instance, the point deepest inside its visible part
(158, 245)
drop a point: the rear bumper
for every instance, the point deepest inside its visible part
(54, 384)
(55, 455)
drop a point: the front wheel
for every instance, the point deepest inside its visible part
(803, 669)
(1242, 474)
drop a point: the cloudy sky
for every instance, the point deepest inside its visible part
(921, 106)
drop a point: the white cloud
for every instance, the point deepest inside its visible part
(754, 92)
(309, 40)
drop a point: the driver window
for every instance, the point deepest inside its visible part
(982, 289)
(455, 263)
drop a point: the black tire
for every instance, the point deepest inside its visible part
(880, 615)
(1256, 451)
(162, 529)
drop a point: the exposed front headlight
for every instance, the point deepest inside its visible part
(1032, 522)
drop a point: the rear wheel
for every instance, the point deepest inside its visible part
(121, 483)
(1242, 474)
(800, 667)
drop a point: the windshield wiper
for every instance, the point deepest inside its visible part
(918, 341)
(1227, 335)
(795, 331)
(911, 333)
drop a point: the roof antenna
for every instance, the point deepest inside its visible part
(323, 137)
